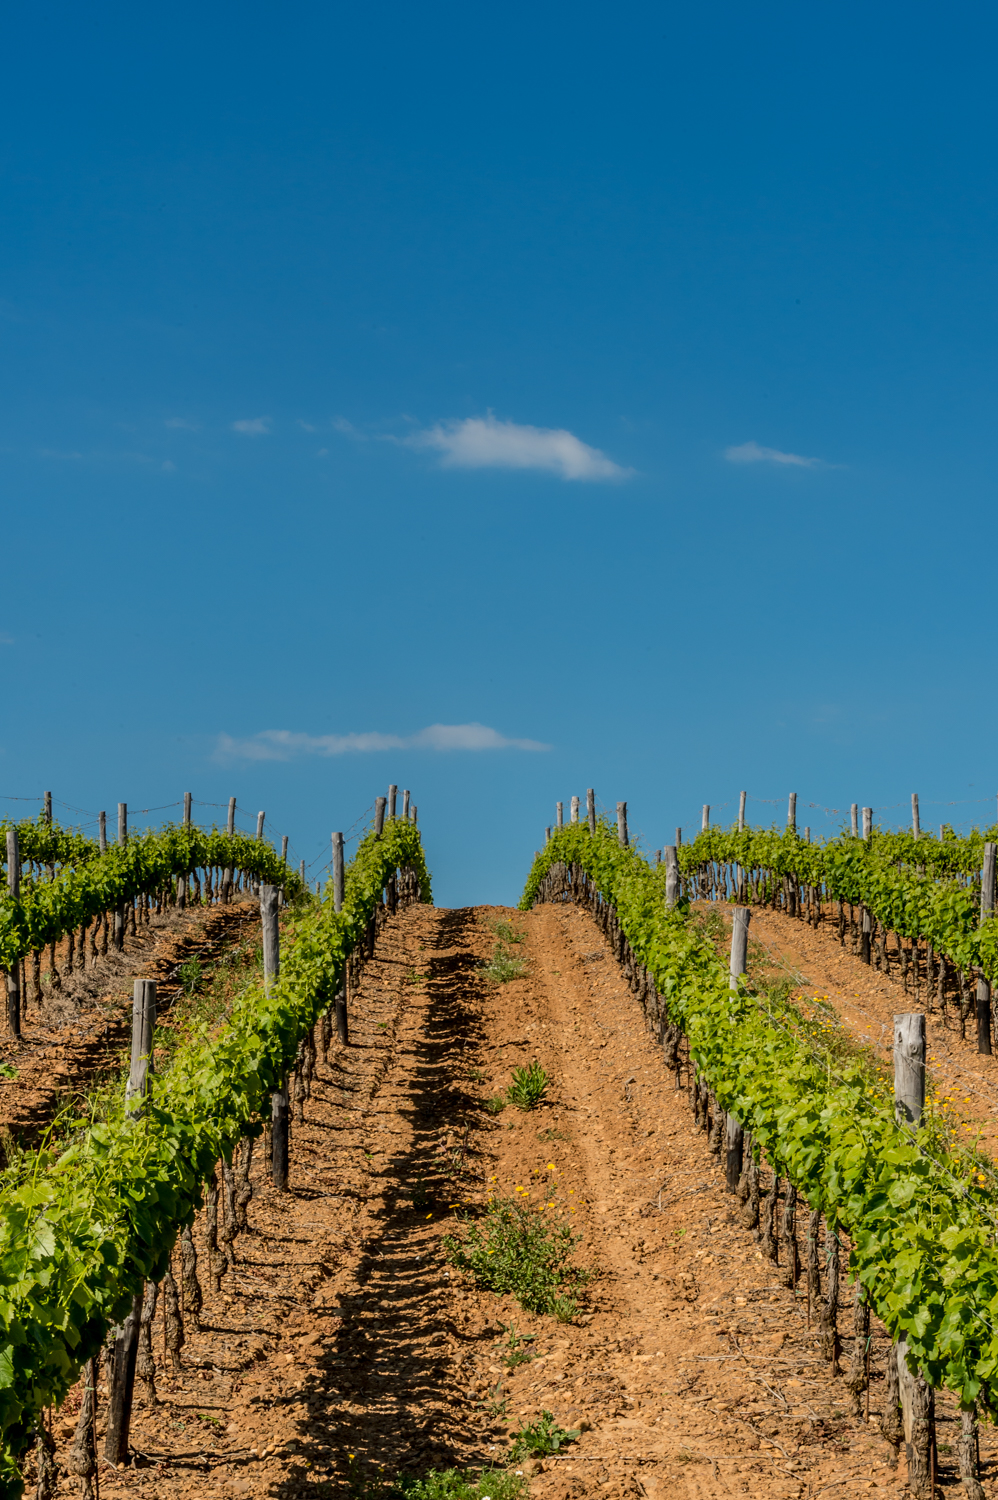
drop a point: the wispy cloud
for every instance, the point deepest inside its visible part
(287, 744)
(182, 423)
(751, 453)
(486, 443)
(6, 640)
(255, 426)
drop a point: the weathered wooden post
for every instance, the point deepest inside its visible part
(102, 831)
(230, 826)
(14, 972)
(405, 806)
(143, 1029)
(734, 1133)
(854, 816)
(392, 795)
(591, 810)
(188, 799)
(741, 812)
(119, 911)
(739, 944)
(47, 807)
(415, 815)
(673, 885)
(807, 835)
(622, 824)
(260, 818)
(575, 810)
(792, 811)
(917, 1396)
(705, 818)
(284, 849)
(547, 837)
(278, 1099)
(338, 872)
(380, 803)
(560, 814)
(867, 823)
(679, 838)
(915, 828)
(122, 824)
(983, 983)
(301, 872)
(866, 935)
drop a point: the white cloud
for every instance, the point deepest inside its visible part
(285, 744)
(485, 443)
(751, 453)
(255, 426)
(183, 423)
(305, 426)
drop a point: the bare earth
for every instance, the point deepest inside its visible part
(342, 1345)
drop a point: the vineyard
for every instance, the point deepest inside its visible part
(582, 1198)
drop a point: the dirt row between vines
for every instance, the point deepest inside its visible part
(83, 1028)
(868, 1000)
(343, 1345)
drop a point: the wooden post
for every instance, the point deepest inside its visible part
(47, 805)
(415, 818)
(259, 827)
(741, 812)
(591, 810)
(143, 1026)
(575, 810)
(909, 1067)
(739, 945)
(983, 984)
(187, 809)
(122, 824)
(405, 806)
(547, 837)
(301, 872)
(705, 818)
(734, 1150)
(379, 815)
(284, 849)
(792, 811)
(271, 971)
(102, 831)
(679, 838)
(622, 824)
(866, 935)
(392, 794)
(340, 1013)
(854, 815)
(807, 835)
(14, 972)
(867, 823)
(119, 1408)
(560, 819)
(672, 882)
(230, 826)
(916, 830)
(338, 872)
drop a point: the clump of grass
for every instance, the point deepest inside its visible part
(190, 974)
(515, 1248)
(476, 1075)
(516, 1354)
(504, 931)
(528, 1087)
(541, 1438)
(504, 965)
(496, 1104)
(452, 1484)
(552, 1135)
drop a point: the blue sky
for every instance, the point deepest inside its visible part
(618, 380)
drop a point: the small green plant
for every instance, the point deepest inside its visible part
(515, 1248)
(528, 1086)
(552, 1135)
(6, 1071)
(190, 974)
(451, 1484)
(505, 931)
(516, 1354)
(496, 1104)
(541, 1438)
(476, 1075)
(504, 965)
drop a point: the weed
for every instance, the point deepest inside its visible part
(476, 1075)
(451, 1484)
(504, 965)
(541, 1438)
(190, 974)
(504, 931)
(420, 1197)
(516, 1249)
(516, 1354)
(552, 1135)
(528, 1086)
(204, 1416)
(6, 1071)
(496, 1104)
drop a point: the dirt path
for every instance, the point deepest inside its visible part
(80, 1028)
(868, 1000)
(343, 1345)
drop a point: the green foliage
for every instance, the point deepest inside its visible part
(541, 1438)
(190, 974)
(81, 1229)
(46, 909)
(517, 1249)
(452, 1484)
(7, 1071)
(528, 1087)
(504, 965)
(921, 1221)
(505, 931)
(516, 1353)
(496, 1104)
